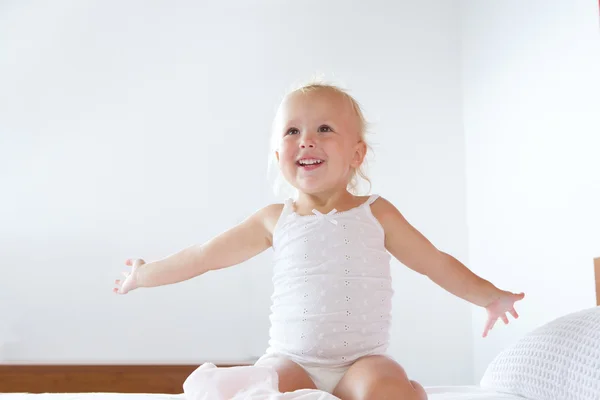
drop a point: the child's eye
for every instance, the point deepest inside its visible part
(325, 128)
(291, 131)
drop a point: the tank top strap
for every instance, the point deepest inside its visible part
(286, 212)
(288, 207)
(371, 199)
(369, 212)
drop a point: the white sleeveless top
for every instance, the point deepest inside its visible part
(332, 286)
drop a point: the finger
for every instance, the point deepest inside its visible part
(129, 261)
(117, 281)
(520, 296)
(513, 312)
(488, 327)
(504, 318)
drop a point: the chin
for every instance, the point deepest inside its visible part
(309, 184)
(312, 187)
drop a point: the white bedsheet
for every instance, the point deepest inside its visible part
(435, 393)
(466, 393)
(89, 396)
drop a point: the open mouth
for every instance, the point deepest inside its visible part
(309, 163)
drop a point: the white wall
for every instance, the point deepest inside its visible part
(531, 108)
(118, 124)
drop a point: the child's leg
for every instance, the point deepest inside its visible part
(291, 375)
(378, 377)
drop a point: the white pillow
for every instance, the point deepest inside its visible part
(557, 361)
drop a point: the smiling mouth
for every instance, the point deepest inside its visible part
(309, 161)
(309, 164)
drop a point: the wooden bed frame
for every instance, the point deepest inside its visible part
(597, 276)
(166, 379)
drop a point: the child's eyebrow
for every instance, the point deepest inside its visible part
(291, 122)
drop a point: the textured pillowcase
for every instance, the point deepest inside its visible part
(557, 361)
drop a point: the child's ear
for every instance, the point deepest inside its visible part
(359, 154)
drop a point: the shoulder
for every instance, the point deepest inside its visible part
(386, 213)
(269, 215)
(382, 207)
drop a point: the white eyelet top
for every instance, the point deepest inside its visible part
(332, 286)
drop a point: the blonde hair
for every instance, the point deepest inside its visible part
(312, 86)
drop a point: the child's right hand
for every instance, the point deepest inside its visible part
(131, 278)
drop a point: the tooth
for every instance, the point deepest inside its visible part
(309, 162)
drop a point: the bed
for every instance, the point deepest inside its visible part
(435, 393)
(557, 361)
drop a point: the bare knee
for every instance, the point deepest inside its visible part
(419, 390)
(384, 388)
(392, 388)
(378, 378)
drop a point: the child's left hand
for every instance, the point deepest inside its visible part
(499, 307)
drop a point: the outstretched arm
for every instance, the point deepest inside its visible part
(234, 246)
(415, 251)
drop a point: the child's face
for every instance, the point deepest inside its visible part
(319, 143)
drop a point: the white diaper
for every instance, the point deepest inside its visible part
(325, 378)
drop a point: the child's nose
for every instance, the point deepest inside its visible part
(307, 141)
(306, 144)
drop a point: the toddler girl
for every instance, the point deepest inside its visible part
(330, 317)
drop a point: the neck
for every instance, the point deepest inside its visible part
(324, 201)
